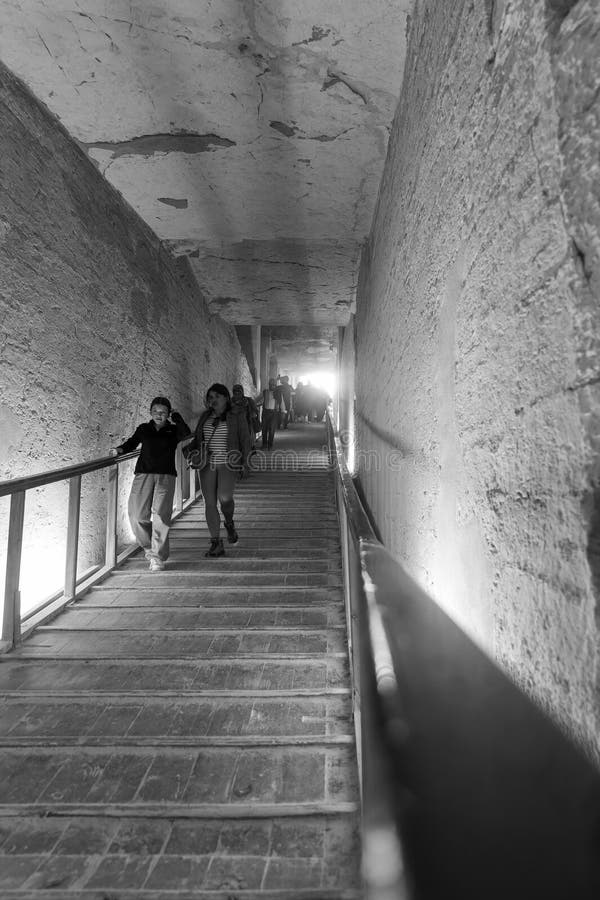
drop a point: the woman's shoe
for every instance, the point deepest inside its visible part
(216, 548)
(232, 535)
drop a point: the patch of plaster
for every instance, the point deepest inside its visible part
(171, 201)
(282, 128)
(148, 145)
(318, 34)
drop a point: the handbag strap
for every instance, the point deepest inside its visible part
(212, 434)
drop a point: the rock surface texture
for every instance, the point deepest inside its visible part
(477, 336)
(250, 136)
(95, 320)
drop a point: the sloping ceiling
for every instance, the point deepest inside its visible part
(249, 134)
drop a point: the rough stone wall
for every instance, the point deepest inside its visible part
(95, 320)
(478, 362)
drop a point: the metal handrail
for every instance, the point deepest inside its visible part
(468, 788)
(16, 488)
(27, 482)
(383, 867)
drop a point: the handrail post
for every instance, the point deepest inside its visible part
(179, 480)
(11, 622)
(192, 483)
(72, 536)
(111, 517)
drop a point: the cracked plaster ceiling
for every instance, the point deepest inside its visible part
(249, 134)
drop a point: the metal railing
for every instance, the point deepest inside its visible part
(12, 624)
(469, 789)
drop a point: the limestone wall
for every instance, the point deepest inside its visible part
(95, 320)
(478, 366)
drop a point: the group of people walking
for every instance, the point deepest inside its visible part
(220, 449)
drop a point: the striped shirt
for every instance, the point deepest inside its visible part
(217, 441)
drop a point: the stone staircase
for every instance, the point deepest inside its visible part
(188, 734)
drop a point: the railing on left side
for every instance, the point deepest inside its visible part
(73, 587)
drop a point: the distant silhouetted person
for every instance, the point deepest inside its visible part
(150, 504)
(300, 409)
(286, 396)
(271, 407)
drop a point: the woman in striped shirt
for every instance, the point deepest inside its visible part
(219, 447)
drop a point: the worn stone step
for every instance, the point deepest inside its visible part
(117, 719)
(52, 777)
(287, 528)
(289, 468)
(24, 675)
(86, 858)
(218, 576)
(105, 617)
(270, 503)
(191, 596)
(271, 500)
(163, 644)
(194, 547)
(236, 563)
(230, 871)
(288, 516)
(257, 546)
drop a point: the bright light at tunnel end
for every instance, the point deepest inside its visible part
(324, 381)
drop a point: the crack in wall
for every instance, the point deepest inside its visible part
(267, 262)
(335, 76)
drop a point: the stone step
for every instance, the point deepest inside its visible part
(120, 719)
(218, 576)
(105, 617)
(284, 509)
(54, 779)
(291, 468)
(201, 564)
(320, 500)
(23, 675)
(50, 641)
(107, 594)
(287, 527)
(87, 858)
(252, 546)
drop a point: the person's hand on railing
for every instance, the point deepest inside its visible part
(115, 451)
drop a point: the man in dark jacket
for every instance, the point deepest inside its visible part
(286, 395)
(271, 409)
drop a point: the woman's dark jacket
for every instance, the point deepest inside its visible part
(238, 439)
